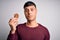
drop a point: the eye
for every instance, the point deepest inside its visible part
(26, 10)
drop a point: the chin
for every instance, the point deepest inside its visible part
(31, 19)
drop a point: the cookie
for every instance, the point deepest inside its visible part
(16, 15)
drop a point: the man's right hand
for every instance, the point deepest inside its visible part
(13, 23)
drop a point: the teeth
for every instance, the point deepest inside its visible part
(16, 15)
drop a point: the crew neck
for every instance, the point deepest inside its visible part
(31, 27)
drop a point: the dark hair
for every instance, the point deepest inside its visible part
(29, 3)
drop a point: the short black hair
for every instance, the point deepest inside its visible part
(29, 3)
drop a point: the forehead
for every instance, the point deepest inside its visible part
(30, 7)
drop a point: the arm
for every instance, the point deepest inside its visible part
(47, 35)
(13, 23)
(13, 36)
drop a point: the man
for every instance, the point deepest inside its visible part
(31, 30)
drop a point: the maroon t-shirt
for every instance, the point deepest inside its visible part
(24, 32)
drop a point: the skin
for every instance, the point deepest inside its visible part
(13, 23)
(30, 14)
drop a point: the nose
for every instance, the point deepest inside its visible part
(30, 12)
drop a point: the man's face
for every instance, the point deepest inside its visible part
(30, 13)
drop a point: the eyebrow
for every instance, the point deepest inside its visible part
(27, 8)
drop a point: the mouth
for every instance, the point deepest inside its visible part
(29, 16)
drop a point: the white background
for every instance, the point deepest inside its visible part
(48, 15)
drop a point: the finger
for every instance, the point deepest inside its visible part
(14, 20)
(9, 20)
(16, 23)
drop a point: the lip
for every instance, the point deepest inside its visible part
(30, 16)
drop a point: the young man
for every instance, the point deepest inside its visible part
(31, 30)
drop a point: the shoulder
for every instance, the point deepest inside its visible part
(45, 31)
(43, 28)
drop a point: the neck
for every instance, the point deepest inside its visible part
(32, 23)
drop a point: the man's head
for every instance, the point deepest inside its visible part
(30, 10)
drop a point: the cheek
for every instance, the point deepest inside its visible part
(34, 13)
(26, 14)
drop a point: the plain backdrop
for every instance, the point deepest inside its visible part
(48, 15)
